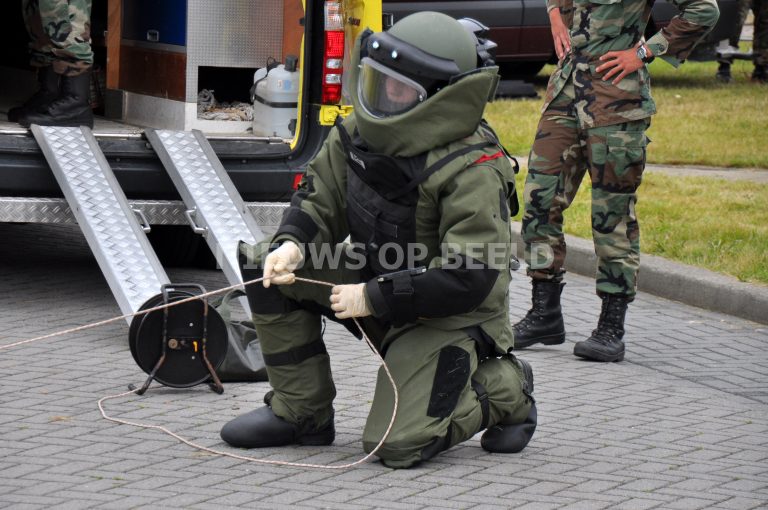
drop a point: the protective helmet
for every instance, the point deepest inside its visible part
(419, 55)
(485, 48)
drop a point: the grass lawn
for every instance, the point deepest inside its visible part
(699, 121)
(712, 223)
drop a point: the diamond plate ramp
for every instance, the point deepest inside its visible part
(110, 226)
(218, 210)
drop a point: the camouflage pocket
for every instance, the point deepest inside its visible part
(606, 17)
(625, 160)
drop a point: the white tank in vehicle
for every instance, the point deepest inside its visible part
(275, 96)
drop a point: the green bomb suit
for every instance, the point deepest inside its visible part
(446, 338)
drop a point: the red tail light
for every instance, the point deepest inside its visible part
(333, 57)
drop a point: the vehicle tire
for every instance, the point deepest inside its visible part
(520, 70)
(178, 246)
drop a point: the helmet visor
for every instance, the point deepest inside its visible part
(384, 92)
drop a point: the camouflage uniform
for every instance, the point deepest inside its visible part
(588, 123)
(742, 9)
(60, 34)
(760, 40)
(760, 36)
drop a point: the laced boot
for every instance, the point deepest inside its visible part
(724, 73)
(47, 92)
(513, 437)
(71, 108)
(606, 343)
(262, 428)
(544, 321)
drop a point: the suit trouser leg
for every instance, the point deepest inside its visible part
(438, 407)
(288, 321)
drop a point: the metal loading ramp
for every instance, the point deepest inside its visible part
(214, 207)
(111, 227)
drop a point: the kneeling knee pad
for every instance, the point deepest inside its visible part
(510, 438)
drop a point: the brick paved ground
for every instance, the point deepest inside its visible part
(681, 424)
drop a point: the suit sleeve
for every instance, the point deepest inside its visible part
(316, 214)
(675, 42)
(474, 234)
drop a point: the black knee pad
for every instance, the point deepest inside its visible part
(262, 300)
(510, 438)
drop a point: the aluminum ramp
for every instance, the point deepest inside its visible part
(111, 227)
(215, 208)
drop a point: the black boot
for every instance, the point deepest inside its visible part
(605, 344)
(760, 74)
(47, 92)
(262, 428)
(544, 321)
(512, 438)
(71, 108)
(724, 72)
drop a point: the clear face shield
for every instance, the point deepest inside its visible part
(384, 92)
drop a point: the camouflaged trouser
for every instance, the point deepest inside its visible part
(435, 370)
(742, 10)
(760, 32)
(60, 34)
(561, 154)
(760, 39)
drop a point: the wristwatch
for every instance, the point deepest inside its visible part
(642, 54)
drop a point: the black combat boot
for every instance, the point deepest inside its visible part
(262, 428)
(544, 321)
(512, 438)
(47, 92)
(71, 108)
(605, 344)
(760, 74)
(724, 72)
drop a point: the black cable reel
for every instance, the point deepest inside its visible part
(179, 346)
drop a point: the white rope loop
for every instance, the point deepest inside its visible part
(204, 448)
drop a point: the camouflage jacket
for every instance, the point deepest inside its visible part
(600, 26)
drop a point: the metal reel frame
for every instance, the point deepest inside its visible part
(179, 346)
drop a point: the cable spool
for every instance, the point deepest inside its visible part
(180, 346)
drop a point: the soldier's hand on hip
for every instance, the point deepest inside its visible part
(349, 301)
(619, 64)
(560, 34)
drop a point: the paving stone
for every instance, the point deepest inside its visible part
(682, 423)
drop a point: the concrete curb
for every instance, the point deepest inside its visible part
(680, 282)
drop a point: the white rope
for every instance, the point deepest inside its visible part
(209, 108)
(204, 448)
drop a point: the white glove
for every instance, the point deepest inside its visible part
(349, 301)
(280, 264)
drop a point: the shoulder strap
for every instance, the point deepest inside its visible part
(491, 135)
(437, 165)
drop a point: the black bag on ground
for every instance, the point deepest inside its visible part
(244, 361)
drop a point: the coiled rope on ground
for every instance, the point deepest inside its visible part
(192, 443)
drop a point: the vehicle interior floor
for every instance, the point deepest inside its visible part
(16, 85)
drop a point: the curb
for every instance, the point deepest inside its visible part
(672, 280)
